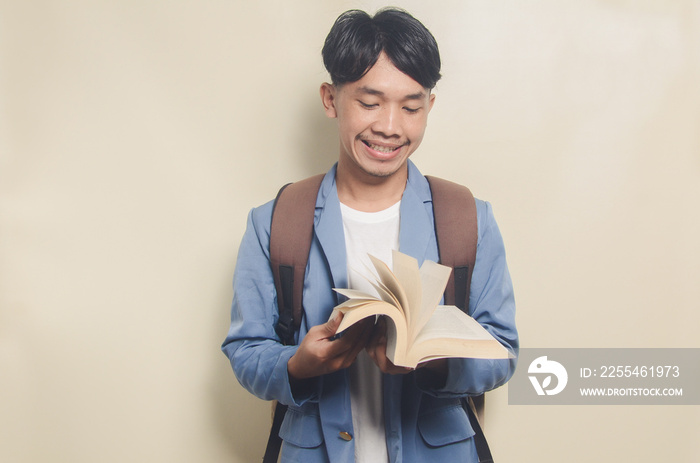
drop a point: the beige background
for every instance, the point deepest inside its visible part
(136, 135)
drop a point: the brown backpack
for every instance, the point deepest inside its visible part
(291, 233)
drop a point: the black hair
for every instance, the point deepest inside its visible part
(356, 40)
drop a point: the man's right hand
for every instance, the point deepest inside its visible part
(319, 355)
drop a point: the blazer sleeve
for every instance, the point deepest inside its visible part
(258, 358)
(492, 304)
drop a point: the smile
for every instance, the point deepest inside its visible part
(382, 148)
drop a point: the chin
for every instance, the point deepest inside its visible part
(384, 170)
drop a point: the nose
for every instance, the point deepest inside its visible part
(388, 122)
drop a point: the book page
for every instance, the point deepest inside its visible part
(452, 333)
(392, 284)
(350, 303)
(450, 322)
(385, 293)
(408, 276)
(355, 295)
(370, 276)
(433, 279)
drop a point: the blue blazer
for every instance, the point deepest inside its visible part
(424, 421)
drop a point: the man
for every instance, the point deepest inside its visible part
(347, 401)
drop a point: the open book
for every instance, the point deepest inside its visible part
(419, 329)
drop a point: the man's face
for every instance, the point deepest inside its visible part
(381, 119)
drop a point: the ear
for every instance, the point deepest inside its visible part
(328, 92)
(431, 101)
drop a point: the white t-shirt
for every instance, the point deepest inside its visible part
(375, 233)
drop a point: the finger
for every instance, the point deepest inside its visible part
(367, 329)
(377, 351)
(353, 341)
(354, 333)
(331, 326)
(344, 350)
(379, 333)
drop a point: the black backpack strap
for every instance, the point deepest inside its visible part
(457, 234)
(482, 446)
(291, 233)
(274, 442)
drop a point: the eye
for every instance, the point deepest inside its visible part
(411, 110)
(367, 105)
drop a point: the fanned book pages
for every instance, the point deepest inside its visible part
(418, 328)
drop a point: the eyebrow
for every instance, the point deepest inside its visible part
(371, 91)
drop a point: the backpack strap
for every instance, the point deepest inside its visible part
(457, 233)
(291, 233)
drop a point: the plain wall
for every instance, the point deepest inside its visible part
(135, 136)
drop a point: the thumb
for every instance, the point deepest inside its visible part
(331, 326)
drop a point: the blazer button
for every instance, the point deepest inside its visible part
(346, 436)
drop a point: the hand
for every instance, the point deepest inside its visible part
(376, 348)
(319, 355)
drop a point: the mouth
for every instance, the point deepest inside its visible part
(383, 150)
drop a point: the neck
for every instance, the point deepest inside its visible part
(368, 193)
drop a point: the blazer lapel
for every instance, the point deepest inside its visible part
(416, 235)
(328, 228)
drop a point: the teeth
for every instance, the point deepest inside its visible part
(383, 149)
